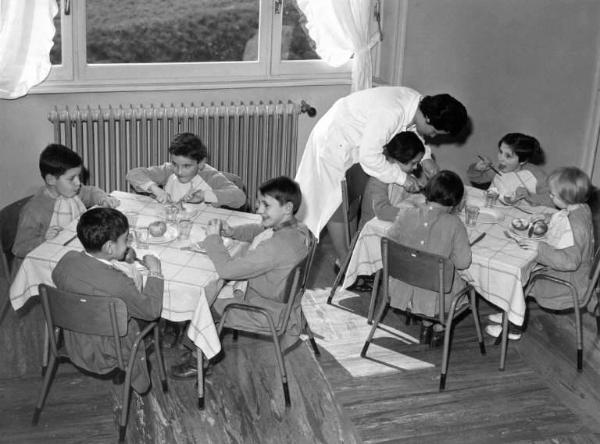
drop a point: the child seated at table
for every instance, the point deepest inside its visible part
(520, 177)
(103, 233)
(568, 249)
(432, 227)
(380, 199)
(277, 245)
(61, 200)
(187, 178)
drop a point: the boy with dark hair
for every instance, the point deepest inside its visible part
(59, 202)
(103, 233)
(187, 178)
(277, 246)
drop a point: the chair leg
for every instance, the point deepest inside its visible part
(161, 363)
(46, 350)
(48, 377)
(125, 404)
(504, 343)
(475, 312)
(447, 337)
(380, 315)
(282, 372)
(200, 377)
(311, 339)
(343, 268)
(579, 337)
(374, 293)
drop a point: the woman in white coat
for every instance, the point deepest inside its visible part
(355, 129)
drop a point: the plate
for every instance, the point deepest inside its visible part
(489, 216)
(523, 234)
(169, 236)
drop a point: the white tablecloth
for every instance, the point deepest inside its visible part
(499, 269)
(186, 272)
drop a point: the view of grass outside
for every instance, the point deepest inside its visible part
(155, 31)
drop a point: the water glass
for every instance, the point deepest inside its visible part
(184, 228)
(141, 237)
(171, 212)
(491, 198)
(471, 214)
(132, 218)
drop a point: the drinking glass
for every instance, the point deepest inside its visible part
(184, 228)
(141, 237)
(171, 212)
(471, 214)
(132, 218)
(491, 198)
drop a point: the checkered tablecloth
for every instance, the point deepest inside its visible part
(186, 272)
(499, 268)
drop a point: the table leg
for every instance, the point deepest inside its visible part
(200, 373)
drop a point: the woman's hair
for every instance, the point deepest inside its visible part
(404, 147)
(100, 225)
(445, 188)
(444, 112)
(283, 190)
(527, 148)
(188, 145)
(572, 184)
(56, 159)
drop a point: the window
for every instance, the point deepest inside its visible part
(120, 42)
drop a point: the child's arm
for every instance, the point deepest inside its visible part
(246, 232)
(382, 207)
(461, 255)
(570, 258)
(92, 195)
(149, 179)
(224, 192)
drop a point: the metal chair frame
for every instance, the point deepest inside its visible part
(407, 264)
(295, 286)
(95, 315)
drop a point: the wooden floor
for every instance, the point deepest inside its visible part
(540, 397)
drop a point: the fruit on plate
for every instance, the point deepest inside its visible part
(157, 228)
(540, 227)
(520, 224)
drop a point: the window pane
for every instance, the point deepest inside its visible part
(56, 51)
(295, 42)
(156, 31)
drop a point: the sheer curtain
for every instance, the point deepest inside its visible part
(26, 33)
(340, 29)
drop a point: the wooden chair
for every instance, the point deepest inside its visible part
(578, 304)
(9, 220)
(353, 187)
(94, 315)
(294, 290)
(418, 268)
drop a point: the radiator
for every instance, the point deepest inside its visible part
(256, 141)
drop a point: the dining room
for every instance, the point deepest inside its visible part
(507, 61)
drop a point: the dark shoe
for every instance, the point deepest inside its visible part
(186, 370)
(437, 339)
(118, 377)
(425, 335)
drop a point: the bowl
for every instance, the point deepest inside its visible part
(540, 227)
(520, 224)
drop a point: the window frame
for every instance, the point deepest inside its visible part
(74, 74)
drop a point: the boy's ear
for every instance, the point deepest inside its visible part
(107, 247)
(289, 208)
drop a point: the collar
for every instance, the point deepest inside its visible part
(98, 259)
(287, 224)
(573, 207)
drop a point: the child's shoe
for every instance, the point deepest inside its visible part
(495, 331)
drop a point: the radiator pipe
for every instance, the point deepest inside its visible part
(306, 108)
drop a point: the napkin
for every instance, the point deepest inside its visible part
(560, 233)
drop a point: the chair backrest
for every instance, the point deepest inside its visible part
(297, 280)
(417, 268)
(353, 187)
(9, 221)
(594, 274)
(93, 315)
(238, 182)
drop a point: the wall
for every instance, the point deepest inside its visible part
(25, 129)
(518, 66)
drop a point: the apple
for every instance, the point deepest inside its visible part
(540, 227)
(157, 228)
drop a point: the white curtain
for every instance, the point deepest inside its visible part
(340, 30)
(26, 33)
